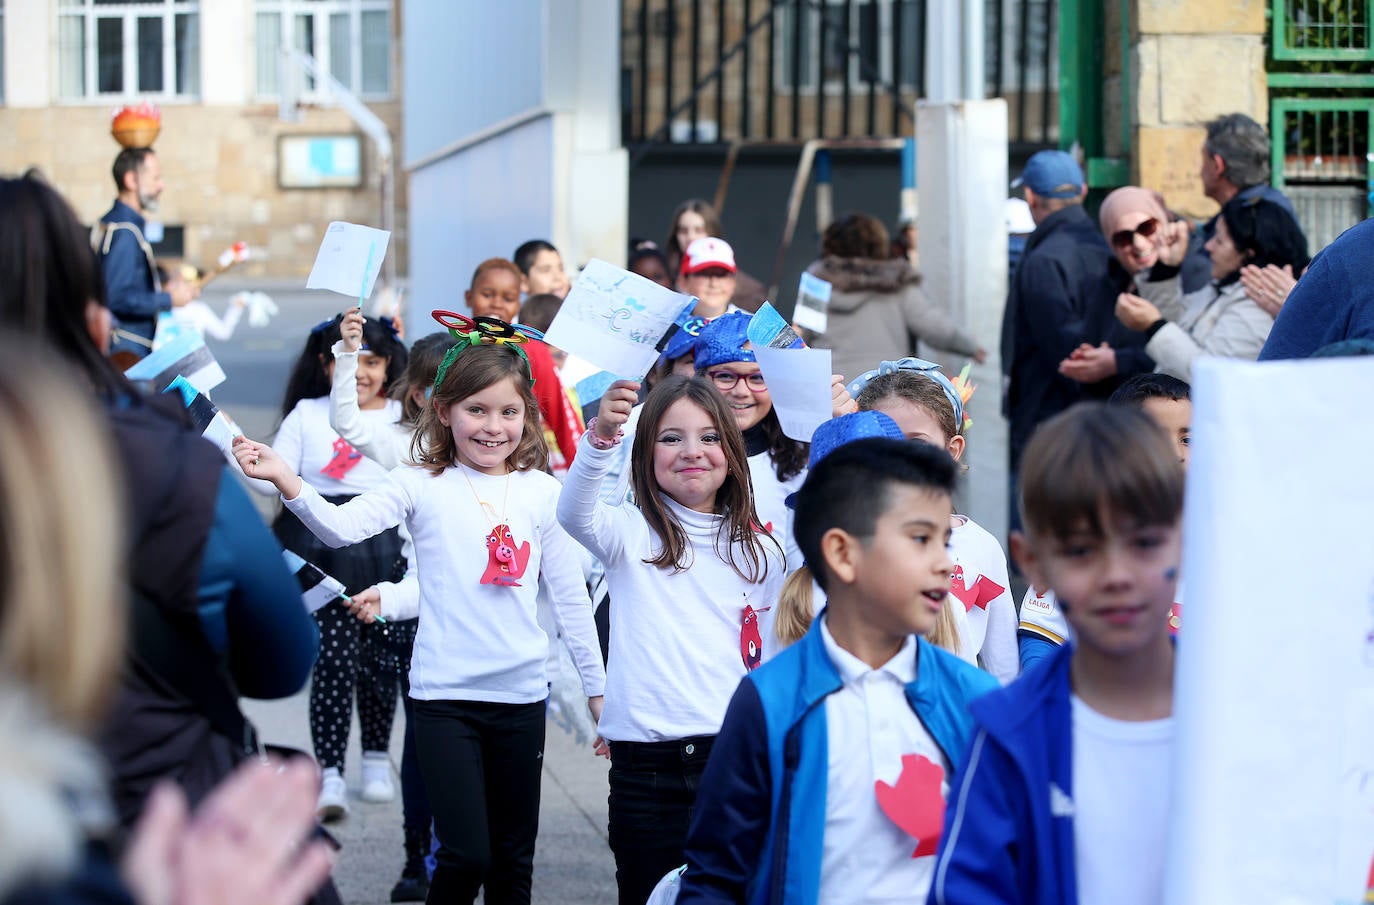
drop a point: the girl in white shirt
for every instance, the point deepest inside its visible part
(481, 512)
(354, 659)
(928, 407)
(689, 572)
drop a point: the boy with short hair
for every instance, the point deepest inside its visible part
(542, 267)
(827, 780)
(1167, 400)
(1064, 796)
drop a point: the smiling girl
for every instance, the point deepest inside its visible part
(354, 659)
(481, 513)
(689, 573)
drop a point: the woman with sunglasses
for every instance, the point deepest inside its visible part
(1219, 319)
(1146, 246)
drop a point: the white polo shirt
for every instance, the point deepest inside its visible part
(874, 736)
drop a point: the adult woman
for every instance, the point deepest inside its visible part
(1142, 237)
(61, 630)
(1219, 319)
(215, 610)
(877, 309)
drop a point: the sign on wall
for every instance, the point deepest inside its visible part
(313, 161)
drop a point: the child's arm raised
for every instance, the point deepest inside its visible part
(592, 523)
(734, 808)
(344, 415)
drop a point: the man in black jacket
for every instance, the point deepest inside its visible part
(1049, 309)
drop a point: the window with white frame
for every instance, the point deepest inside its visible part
(349, 39)
(128, 48)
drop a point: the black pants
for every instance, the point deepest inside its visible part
(653, 792)
(481, 764)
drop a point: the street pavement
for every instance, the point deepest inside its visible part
(573, 864)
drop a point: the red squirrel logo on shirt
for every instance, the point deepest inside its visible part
(346, 458)
(750, 639)
(983, 592)
(505, 561)
(916, 803)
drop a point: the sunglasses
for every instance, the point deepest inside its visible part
(1126, 237)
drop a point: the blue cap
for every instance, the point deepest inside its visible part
(723, 341)
(920, 366)
(1052, 174)
(682, 340)
(836, 432)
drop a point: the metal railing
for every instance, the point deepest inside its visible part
(709, 71)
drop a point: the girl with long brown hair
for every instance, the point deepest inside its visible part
(690, 572)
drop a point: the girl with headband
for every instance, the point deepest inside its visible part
(481, 511)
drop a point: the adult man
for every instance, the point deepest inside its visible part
(1048, 314)
(1333, 301)
(1235, 163)
(133, 291)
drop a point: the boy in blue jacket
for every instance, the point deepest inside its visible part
(827, 781)
(1064, 795)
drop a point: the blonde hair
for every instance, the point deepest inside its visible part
(62, 617)
(796, 610)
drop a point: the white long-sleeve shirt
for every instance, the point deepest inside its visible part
(770, 502)
(675, 656)
(981, 587)
(308, 445)
(389, 443)
(476, 642)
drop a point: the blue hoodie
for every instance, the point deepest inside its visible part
(758, 831)
(1009, 832)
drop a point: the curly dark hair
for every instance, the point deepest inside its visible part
(855, 235)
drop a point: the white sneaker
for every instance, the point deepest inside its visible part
(333, 803)
(377, 785)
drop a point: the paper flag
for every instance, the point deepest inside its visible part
(213, 424)
(616, 319)
(813, 299)
(187, 356)
(317, 588)
(349, 259)
(768, 330)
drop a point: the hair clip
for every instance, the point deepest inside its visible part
(482, 331)
(390, 325)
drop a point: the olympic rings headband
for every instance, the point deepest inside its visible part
(482, 331)
(956, 393)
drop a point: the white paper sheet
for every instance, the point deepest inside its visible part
(799, 382)
(615, 319)
(1274, 696)
(349, 259)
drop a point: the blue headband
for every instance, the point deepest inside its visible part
(920, 366)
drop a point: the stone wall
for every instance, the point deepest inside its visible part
(1193, 62)
(219, 164)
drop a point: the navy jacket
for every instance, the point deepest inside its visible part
(131, 285)
(758, 830)
(1009, 832)
(1333, 301)
(1048, 313)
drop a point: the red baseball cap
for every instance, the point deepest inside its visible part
(708, 252)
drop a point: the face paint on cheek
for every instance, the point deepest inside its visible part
(1171, 573)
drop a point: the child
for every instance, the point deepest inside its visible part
(397, 602)
(650, 264)
(541, 267)
(689, 573)
(928, 407)
(1065, 793)
(481, 512)
(495, 292)
(353, 658)
(828, 779)
(1166, 400)
(709, 273)
(799, 599)
(777, 463)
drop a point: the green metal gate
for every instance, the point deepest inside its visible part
(1321, 89)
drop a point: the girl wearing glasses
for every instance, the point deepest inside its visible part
(777, 463)
(1219, 319)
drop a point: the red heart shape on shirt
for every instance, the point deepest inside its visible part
(916, 803)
